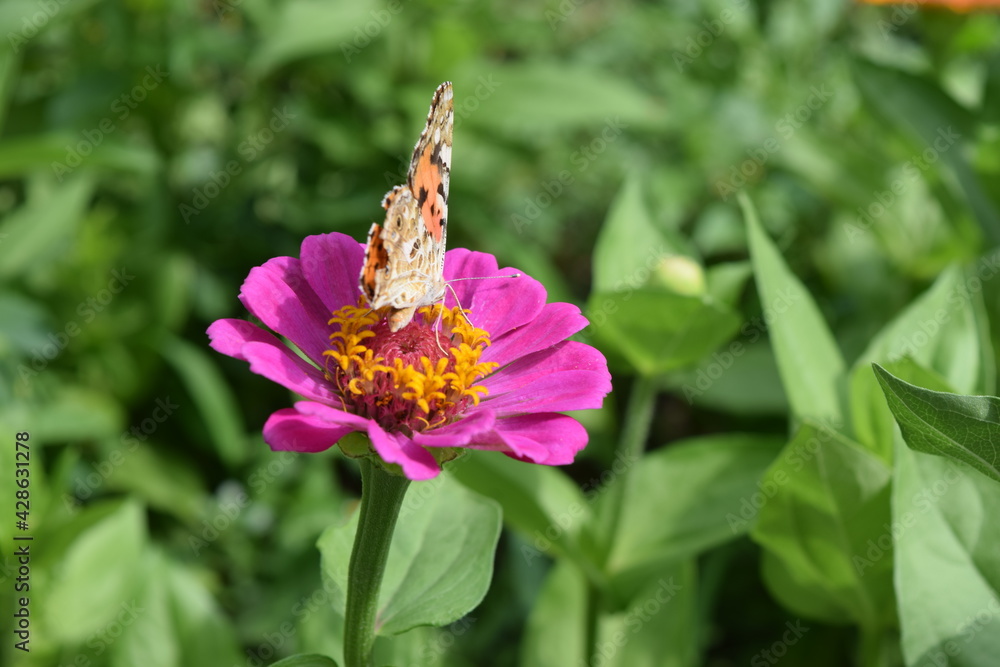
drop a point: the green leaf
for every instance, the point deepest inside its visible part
(556, 632)
(700, 489)
(440, 562)
(211, 394)
(86, 593)
(658, 331)
(945, 547)
(824, 498)
(741, 378)
(76, 413)
(934, 121)
(303, 28)
(20, 156)
(204, 632)
(963, 428)
(808, 358)
(144, 623)
(659, 625)
(939, 330)
(538, 501)
(305, 660)
(629, 246)
(544, 97)
(44, 227)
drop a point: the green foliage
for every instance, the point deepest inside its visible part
(778, 218)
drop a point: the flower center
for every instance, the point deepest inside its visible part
(418, 378)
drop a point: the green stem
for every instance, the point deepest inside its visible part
(381, 497)
(635, 432)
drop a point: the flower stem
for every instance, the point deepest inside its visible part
(381, 497)
(635, 432)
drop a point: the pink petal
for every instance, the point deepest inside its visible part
(332, 265)
(229, 335)
(460, 433)
(417, 463)
(567, 376)
(269, 357)
(280, 296)
(289, 430)
(462, 263)
(555, 323)
(547, 438)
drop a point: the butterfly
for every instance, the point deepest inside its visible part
(404, 259)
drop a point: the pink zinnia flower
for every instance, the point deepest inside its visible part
(506, 371)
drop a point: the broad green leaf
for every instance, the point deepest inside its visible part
(160, 479)
(440, 562)
(658, 331)
(925, 331)
(540, 502)
(44, 227)
(556, 630)
(727, 280)
(211, 394)
(204, 632)
(808, 358)
(540, 97)
(303, 28)
(659, 625)
(686, 498)
(935, 122)
(629, 247)
(741, 377)
(946, 550)
(143, 631)
(75, 413)
(305, 660)
(19, 156)
(86, 593)
(963, 428)
(825, 498)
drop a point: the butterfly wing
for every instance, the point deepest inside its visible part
(404, 260)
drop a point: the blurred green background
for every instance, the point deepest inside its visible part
(153, 151)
